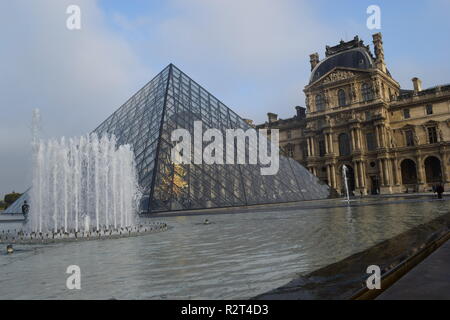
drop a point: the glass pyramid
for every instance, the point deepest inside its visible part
(172, 100)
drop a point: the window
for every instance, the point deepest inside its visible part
(432, 135)
(290, 150)
(370, 141)
(341, 98)
(289, 134)
(368, 115)
(406, 114)
(322, 148)
(344, 144)
(305, 150)
(409, 136)
(321, 123)
(366, 91)
(320, 103)
(429, 109)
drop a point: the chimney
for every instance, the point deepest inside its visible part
(272, 117)
(314, 59)
(379, 51)
(301, 112)
(417, 84)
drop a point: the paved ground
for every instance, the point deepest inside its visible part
(6, 217)
(430, 280)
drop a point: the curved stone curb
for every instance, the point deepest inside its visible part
(393, 275)
(48, 238)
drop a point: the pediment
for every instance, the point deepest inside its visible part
(338, 74)
(408, 127)
(431, 123)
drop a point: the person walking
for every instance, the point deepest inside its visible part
(25, 209)
(440, 191)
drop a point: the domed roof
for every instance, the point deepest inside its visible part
(357, 58)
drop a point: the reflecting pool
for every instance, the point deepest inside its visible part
(236, 256)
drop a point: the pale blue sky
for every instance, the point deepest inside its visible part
(252, 54)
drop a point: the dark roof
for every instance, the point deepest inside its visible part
(357, 58)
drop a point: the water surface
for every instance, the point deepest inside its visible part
(237, 256)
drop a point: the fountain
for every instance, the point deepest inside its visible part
(344, 175)
(83, 188)
(84, 183)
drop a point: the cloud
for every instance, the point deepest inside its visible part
(249, 53)
(248, 36)
(76, 78)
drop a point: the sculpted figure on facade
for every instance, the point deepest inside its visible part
(416, 138)
(391, 137)
(337, 76)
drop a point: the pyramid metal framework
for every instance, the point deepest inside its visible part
(172, 100)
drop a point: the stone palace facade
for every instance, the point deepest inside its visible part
(391, 140)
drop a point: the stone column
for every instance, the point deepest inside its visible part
(353, 137)
(397, 172)
(330, 183)
(420, 171)
(395, 177)
(333, 176)
(444, 160)
(355, 133)
(381, 171)
(361, 175)
(327, 148)
(355, 173)
(386, 172)
(385, 137)
(308, 141)
(360, 139)
(330, 142)
(391, 172)
(377, 137)
(381, 132)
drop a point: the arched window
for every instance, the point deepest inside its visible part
(341, 98)
(344, 144)
(409, 172)
(366, 91)
(433, 171)
(320, 103)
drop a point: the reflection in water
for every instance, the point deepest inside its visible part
(236, 256)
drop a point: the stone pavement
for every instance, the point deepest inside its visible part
(429, 280)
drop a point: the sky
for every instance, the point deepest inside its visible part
(253, 55)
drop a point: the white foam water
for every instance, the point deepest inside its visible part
(81, 184)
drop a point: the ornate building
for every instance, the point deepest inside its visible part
(391, 140)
